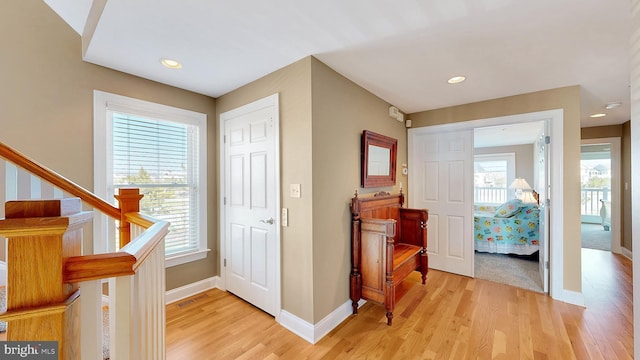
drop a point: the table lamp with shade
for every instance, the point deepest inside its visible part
(528, 198)
(519, 184)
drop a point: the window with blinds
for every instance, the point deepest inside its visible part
(160, 158)
(161, 150)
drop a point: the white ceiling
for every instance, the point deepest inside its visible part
(505, 135)
(402, 51)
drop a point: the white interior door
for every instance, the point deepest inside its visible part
(441, 181)
(542, 187)
(250, 204)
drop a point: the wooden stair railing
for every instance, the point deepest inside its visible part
(129, 202)
(46, 270)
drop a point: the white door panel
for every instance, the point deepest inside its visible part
(455, 230)
(444, 183)
(250, 208)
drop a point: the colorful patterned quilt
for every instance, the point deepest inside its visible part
(516, 234)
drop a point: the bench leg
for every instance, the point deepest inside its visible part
(424, 265)
(355, 291)
(390, 300)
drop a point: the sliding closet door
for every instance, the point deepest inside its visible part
(441, 180)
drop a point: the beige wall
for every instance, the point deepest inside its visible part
(322, 115)
(598, 132)
(293, 84)
(341, 111)
(524, 158)
(568, 99)
(46, 103)
(622, 131)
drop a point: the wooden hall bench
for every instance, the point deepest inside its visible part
(388, 242)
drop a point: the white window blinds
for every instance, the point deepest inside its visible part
(161, 159)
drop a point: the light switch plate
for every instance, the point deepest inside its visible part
(294, 190)
(284, 217)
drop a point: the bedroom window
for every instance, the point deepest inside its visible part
(492, 175)
(160, 150)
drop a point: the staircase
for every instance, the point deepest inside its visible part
(56, 291)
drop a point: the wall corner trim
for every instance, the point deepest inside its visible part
(572, 297)
(314, 333)
(185, 291)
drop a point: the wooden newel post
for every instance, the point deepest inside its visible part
(41, 235)
(129, 200)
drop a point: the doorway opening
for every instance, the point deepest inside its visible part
(423, 145)
(508, 247)
(600, 194)
(425, 140)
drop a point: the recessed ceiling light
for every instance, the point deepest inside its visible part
(456, 79)
(597, 115)
(171, 64)
(612, 105)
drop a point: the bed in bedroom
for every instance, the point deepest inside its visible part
(510, 228)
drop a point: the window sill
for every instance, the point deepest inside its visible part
(175, 260)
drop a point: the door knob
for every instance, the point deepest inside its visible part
(268, 221)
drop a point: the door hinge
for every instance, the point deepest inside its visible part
(546, 265)
(224, 201)
(547, 139)
(224, 262)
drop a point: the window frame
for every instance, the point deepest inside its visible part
(106, 104)
(510, 158)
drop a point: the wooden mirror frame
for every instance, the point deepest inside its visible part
(370, 139)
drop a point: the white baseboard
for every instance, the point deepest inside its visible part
(313, 333)
(627, 253)
(182, 292)
(335, 318)
(572, 297)
(297, 326)
(309, 332)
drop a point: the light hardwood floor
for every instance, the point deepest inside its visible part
(452, 317)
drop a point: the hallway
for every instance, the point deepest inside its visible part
(452, 317)
(607, 288)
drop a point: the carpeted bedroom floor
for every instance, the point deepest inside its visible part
(509, 270)
(524, 273)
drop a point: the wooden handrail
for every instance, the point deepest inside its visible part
(58, 180)
(124, 262)
(141, 220)
(144, 244)
(101, 266)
